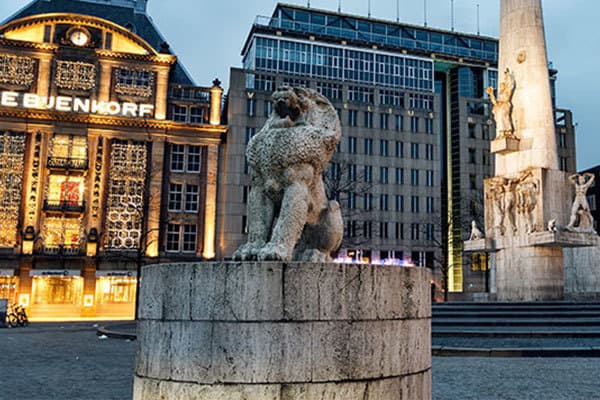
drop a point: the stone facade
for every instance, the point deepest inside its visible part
(283, 331)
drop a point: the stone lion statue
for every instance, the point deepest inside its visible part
(289, 216)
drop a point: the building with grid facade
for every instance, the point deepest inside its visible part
(416, 127)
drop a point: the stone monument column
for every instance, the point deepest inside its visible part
(528, 193)
(523, 52)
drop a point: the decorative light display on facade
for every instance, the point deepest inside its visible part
(75, 75)
(16, 70)
(12, 149)
(134, 82)
(125, 205)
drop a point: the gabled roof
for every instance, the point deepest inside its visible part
(126, 17)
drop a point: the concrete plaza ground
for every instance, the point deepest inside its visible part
(68, 362)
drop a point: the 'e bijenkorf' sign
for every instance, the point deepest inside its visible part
(75, 104)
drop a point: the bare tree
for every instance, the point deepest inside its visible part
(349, 186)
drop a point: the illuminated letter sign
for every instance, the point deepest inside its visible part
(75, 104)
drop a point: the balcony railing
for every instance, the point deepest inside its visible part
(63, 250)
(68, 163)
(64, 206)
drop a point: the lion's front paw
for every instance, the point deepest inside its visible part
(274, 252)
(248, 252)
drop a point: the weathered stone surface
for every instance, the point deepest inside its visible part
(305, 331)
(289, 216)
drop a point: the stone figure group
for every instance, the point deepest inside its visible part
(502, 105)
(514, 200)
(581, 219)
(289, 215)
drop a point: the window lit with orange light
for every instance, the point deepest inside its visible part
(57, 290)
(115, 290)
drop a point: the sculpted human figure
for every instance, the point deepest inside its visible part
(527, 193)
(289, 216)
(510, 201)
(502, 106)
(496, 195)
(582, 183)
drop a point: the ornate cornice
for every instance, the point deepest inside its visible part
(33, 115)
(28, 45)
(163, 59)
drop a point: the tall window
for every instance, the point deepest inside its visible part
(268, 108)
(177, 157)
(368, 173)
(414, 177)
(429, 177)
(352, 117)
(429, 126)
(414, 151)
(383, 148)
(400, 176)
(399, 123)
(173, 237)
(399, 149)
(180, 113)
(352, 145)
(414, 124)
(368, 119)
(175, 196)
(384, 121)
(190, 238)
(383, 175)
(414, 204)
(399, 203)
(369, 146)
(191, 198)
(429, 152)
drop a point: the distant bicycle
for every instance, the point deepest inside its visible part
(16, 316)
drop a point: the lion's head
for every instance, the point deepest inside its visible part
(290, 105)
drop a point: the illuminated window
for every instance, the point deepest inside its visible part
(68, 151)
(479, 261)
(57, 290)
(64, 191)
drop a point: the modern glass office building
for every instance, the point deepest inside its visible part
(416, 127)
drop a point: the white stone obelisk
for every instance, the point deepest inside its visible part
(523, 52)
(528, 189)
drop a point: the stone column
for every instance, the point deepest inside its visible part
(210, 206)
(45, 68)
(523, 51)
(216, 95)
(105, 80)
(155, 170)
(162, 92)
(284, 331)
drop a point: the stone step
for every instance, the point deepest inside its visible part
(515, 314)
(573, 322)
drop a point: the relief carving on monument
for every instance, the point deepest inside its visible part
(527, 189)
(289, 215)
(502, 106)
(581, 218)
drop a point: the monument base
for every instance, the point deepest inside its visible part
(530, 274)
(283, 331)
(504, 145)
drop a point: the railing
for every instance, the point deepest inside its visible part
(190, 94)
(64, 205)
(373, 38)
(67, 163)
(64, 250)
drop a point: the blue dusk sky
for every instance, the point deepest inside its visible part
(208, 35)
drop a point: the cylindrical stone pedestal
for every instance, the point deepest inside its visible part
(283, 331)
